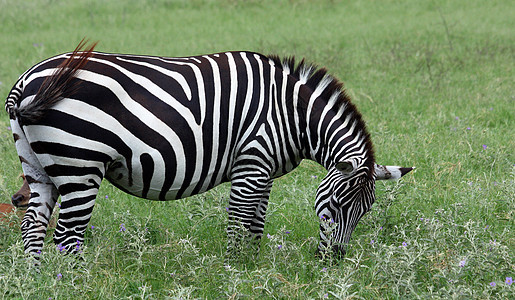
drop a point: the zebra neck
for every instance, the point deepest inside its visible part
(333, 133)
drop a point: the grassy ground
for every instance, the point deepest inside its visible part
(433, 79)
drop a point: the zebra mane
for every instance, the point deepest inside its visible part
(56, 86)
(314, 77)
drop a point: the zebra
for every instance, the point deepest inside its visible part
(166, 128)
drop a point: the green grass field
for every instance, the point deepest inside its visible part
(433, 79)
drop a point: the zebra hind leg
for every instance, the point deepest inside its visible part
(43, 194)
(77, 202)
(34, 224)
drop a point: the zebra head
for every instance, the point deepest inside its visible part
(345, 194)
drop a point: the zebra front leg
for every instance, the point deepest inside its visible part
(247, 208)
(257, 224)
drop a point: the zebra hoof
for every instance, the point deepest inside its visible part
(334, 252)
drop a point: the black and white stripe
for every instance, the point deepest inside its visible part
(167, 128)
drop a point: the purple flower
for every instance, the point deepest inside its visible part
(509, 280)
(107, 197)
(287, 232)
(77, 246)
(404, 244)
(324, 269)
(484, 147)
(457, 118)
(314, 176)
(268, 235)
(462, 263)
(492, 284)
(326, 295)
(372, 242)
(122, 227)
(92, 227)
(59, 276)
(279, 247)
(60, 247)
(9, 128)
(227, 209)
(468, 128)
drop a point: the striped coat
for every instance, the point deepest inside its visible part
(167, 128)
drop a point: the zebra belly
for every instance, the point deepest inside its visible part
(148, 181)
(161, 168)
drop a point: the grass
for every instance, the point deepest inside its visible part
(433, 79)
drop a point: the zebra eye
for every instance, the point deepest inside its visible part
(344, 167)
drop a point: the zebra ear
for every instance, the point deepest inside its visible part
(344, 167)
(390, 172)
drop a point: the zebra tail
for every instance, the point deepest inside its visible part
(57, 86)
